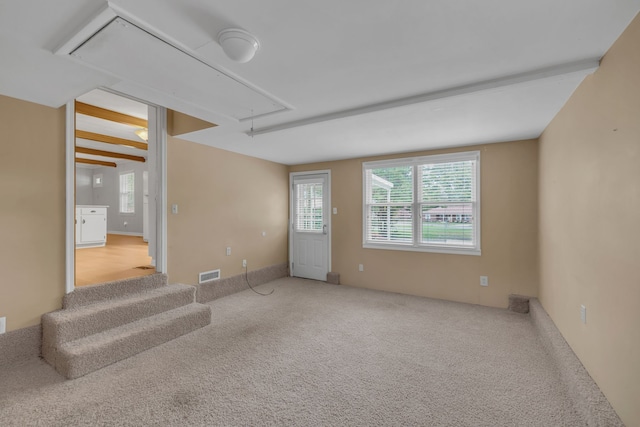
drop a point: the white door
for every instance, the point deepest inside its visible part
(310, 226)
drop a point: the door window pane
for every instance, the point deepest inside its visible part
(309, 214)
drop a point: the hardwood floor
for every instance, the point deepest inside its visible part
(117, 260)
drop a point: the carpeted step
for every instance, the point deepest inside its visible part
(86, 295)
(85, 355)
(63, 326)
(100, 325)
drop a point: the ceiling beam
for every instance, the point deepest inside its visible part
(114, 116)
(102, 153)
(583, 67)
(110, 139)
(96, 162)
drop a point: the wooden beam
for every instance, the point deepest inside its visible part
(114, 116)
(93, 152)
(110, 139)
(96, 162)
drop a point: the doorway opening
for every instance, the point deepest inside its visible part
(117, 144)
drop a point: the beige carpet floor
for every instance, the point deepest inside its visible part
(313, 354)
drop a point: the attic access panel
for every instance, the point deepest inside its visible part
(131, 53)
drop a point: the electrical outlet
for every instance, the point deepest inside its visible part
(125, 223)
(360, 267)
(244, 263)
(3, 325)
(228, 250)
(484, 280)
(583, 314)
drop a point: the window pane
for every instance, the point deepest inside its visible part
(391, 185)
(425, 203)
(450, 224)
(127, 194)
(451, 181)
(390, 224)
(309, 215)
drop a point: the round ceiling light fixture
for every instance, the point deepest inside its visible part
(239, 45)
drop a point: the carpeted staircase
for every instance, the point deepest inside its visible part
(100, 325)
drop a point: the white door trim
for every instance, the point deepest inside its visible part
(159, 185)
(291, 213)
(160, 130)
(70, 198)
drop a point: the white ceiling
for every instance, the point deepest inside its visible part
(363, 77)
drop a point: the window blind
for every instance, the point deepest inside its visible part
(426, 203)
(309, 206)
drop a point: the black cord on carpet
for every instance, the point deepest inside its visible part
(246, 277)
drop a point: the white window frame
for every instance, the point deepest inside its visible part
(416, 245)
(133, 192)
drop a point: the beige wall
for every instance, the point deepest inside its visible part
(509, 234)
(32, 211)
(590, 223)
(179, 123)
(224, 199)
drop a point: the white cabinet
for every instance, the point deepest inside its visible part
(91, 226)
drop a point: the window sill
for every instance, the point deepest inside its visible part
(430, 249)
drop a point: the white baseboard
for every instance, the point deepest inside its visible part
(125, 233)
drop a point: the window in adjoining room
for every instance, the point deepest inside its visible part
(429, 203)
(127, 194)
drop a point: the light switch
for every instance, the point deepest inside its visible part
(335, 211)
(174, 209)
